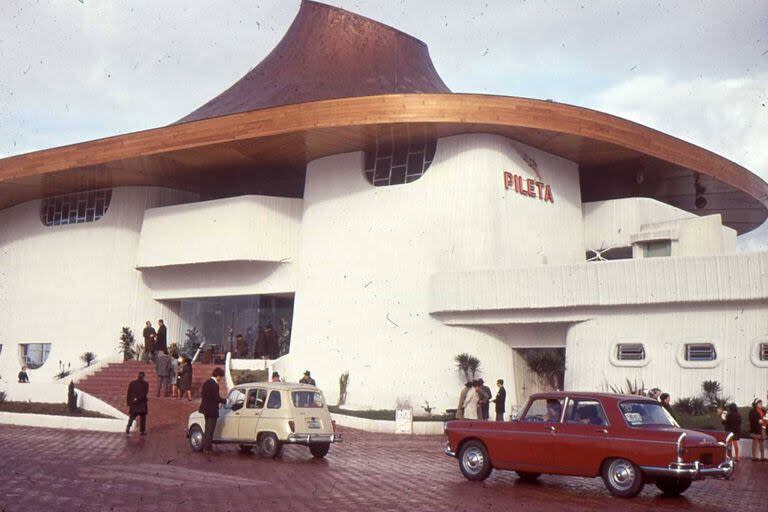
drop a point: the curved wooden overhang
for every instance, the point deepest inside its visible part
(617, 158)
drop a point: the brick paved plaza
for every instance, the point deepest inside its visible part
(50, 470)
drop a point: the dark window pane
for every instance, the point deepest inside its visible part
(369, 177)
(431, 148)
(382, 167)
(415, 163)
(398, 175)
(370, 160)
(401, 155)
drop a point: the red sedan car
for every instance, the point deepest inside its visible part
(628, 440)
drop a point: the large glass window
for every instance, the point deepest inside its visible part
(75, 208)
(638, 414)
(547, 410)
(311, 399)
(275, 401)
(400, 156)
(256, 399)
(34, 355)
(264, 321)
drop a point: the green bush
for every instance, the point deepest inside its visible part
(246, 376)
(386, 414)
(710, 421)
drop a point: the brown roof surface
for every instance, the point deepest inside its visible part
(329, 53)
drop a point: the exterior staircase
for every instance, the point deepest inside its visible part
(110, 384)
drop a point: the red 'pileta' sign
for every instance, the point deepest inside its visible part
(528, 187)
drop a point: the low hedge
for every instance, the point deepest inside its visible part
(384, 414)
(246, 376)
(711, 421)
(48, 409)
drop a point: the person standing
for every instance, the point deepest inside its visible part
(463, 400)
(149, 342)
(241, 347)
(756, 431)
(666, 400)
(137, 404)
(275, 377)
(472, 409)
(732, 424)
(163, 369)
(23, 377)
(270, 342)
(500, 400)
(209, 406)
(250, 341)
(486, 400)
(185, 378)
(162, 337)
(173, 376)
(307, 379)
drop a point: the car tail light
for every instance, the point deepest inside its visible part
(292, 425)
(333, 424)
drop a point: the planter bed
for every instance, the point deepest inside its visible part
(48, 409)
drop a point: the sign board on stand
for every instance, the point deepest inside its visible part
(404, 421)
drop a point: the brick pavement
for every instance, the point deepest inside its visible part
(52, 470)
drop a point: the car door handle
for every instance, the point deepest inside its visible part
(551, 429)
(603, 431)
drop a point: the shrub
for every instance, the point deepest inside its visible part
(126, 345)
(692, 406)
(631, 389)
(64, 371)
(468, 364)
(246, 376)
(547, 363)
(88, 358)
(343, 383)
(3, 397)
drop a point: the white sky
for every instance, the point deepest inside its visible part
(76, 70)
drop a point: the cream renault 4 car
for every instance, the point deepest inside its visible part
(268, 416)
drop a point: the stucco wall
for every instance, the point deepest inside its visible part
(367, 254)
(75, 286)
(735, 329)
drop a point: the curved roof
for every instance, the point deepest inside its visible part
(329, 53)
(243, 140)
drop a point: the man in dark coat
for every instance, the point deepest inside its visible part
(162, 337)
(307, 379)
(137, 403)
(209, 406)
(500, 400)
(149, 342)
(486, 403)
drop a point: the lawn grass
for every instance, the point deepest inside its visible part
(48, 409)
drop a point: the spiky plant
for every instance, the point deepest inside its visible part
(88, 358)
(548, 364)
(343, 383)
(127, 342)
(468, 364)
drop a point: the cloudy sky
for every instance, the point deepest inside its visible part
(75, 70)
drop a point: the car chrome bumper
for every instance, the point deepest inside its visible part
(315, 438)
(692, 470)
(447, 450)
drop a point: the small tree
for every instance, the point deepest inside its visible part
(711, 390)
(343, 383)
(548, 364)
(126, 345)
(468, 364)
(88, 358)
(71, 398)
(193, 340)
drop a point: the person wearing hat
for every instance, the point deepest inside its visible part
(307, 379)
(275, 377)
(485, 403)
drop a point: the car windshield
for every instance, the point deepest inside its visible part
(303, 399)
(639, 414)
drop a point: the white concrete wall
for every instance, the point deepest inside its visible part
(735, 329)
(695, 236)
(367, 253)
(245, 228)
(75, 286)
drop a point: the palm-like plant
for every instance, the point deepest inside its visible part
(88, 358)
(126, 344)
(548, 364)
(468, 364)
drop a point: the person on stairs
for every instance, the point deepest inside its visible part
(137, 404)
(163, 369)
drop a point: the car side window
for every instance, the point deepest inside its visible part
(256, 399)
(234, 396)
(586, 412)
(544, 410)
(275, 401)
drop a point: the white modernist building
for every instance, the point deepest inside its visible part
(394, 245)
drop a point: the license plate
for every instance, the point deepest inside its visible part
(313, 424)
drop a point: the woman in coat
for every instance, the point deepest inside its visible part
(756, 431)
(462, 399)
(732, 424)
(472, 403)
(185, 378)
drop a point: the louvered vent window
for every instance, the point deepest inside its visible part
(764, 351)
(75, 208)
(630, 352)
(700, 352)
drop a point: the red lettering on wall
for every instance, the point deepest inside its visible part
(508, 179)
(548, 195)
(531, 188)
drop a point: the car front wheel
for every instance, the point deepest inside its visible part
(622, 478)
(673, 486)
(196, 438)
(270, 445)
(319, 450)
(474, 461)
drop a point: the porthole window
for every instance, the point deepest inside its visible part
(399, 157)
(34, 355)
(75, 208)
(700, 352)
(762, 351)
(630, 352)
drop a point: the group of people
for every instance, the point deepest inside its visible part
(475, 401)
(758, 422)
(265, 346)
(154, 340)
(174, 374)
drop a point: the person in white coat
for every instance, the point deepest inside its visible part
(470, 404)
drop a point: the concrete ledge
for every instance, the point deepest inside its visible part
(423, 428)
(62, 422)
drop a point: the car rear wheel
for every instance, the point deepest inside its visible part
(622, 478)
(319, 450)
(527, 476)
(474, 461)
(269, 445)
(196, 438)
(245, 448)
(673, 486)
